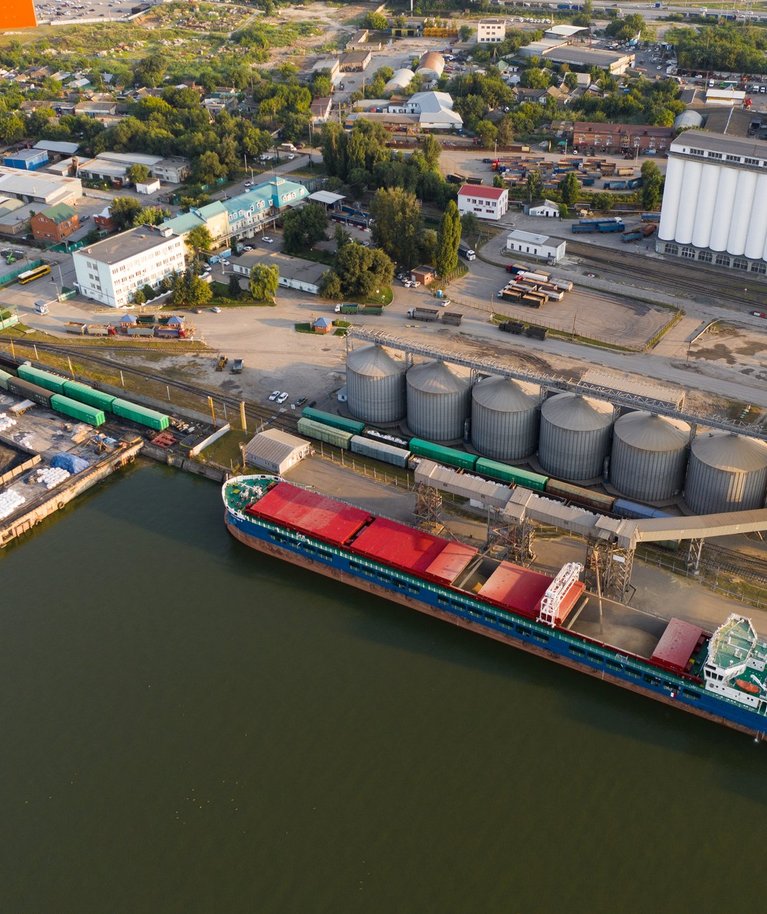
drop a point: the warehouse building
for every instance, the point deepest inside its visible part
(26, 159)
(541, 247)
(295, 272)
(276, 451)
(715, 201)
(588, 58)
(39, 187)
(110, 271)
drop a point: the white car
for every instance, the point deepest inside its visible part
(283, 397)
(215, 309)
(291, 157)
(274, 394)
(267, 240)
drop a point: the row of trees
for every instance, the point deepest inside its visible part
(727, 46)
(358, 272)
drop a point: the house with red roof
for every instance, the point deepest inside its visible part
(483, 202)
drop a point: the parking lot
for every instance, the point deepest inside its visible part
(69, 10)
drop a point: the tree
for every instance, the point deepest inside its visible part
(139, 174)
(652, 186)
(263, 282)
(487, 133)
(397, 225)
(235, 289)
(330, 285)
(465, 32)
(428, 246)
(138, 297)
(602, 202)
(506, 131)
(362, 271)
(569, 188)
(209, 167)
(533, 185)
(469, 225)
(190, 291)
(151, 215)
(123, 211)
(571, 81)
(303, 227)
(376, 21)
(198, 241)
(535, 78)
(431, 149)
(448, 239)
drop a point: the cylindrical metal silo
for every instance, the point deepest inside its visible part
(701, 232)
(688, 202)
(757, 226)
(375, 385)
(437, 401)
(575, 436)
(671, 194)
(726, 473)
(504, 418)
(725, 194)
(649, 456)
(741, 213)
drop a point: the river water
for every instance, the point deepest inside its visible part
(188, 726)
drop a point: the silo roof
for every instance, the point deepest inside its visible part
(374, 362)
(650, 432)
(505, 395)
(730, 452)
(436, 378)
(577, 413)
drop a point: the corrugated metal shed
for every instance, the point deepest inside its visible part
(308, 512)
(515, 588)
(275, 451)
(677, 644)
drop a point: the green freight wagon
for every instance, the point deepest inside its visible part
(321, 432)
(346, 425)
(76, 410)
(140, 414)
(45, 379)
(440, 454)
(89, 395)
(4, 376)
(512, 475)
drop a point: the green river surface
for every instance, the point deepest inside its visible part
(188, 726)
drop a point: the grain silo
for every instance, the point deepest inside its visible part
(726, 473)
(649, 456)
(575, 436)
(375, 385)
(437, 401)
(504, 418)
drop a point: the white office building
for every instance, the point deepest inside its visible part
(491, 31)
(111, 271)
(541, 247)
(715, 201)
(483, 202)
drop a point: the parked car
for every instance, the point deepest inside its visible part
(274, 394)
(283, 397)
(267, 239)
(215, 309)
(291, 157)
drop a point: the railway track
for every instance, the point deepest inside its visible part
(697, 280)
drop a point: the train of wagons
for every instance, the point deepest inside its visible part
(71, 398)
(367, 441)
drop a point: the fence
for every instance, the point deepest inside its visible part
(7, 278)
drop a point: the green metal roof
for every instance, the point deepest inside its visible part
(58, 213)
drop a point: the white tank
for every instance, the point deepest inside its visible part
(726, 473)
(649, 456)
(671, 194)
(504, 418)
(757, 224)
(741, 213)
(689, 201)
(725, 194)
(575, 436)
(437, 401)
(704, 212)
(375, 385)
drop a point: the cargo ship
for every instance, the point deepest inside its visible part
(720, 676)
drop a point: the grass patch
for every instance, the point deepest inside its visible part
(222, 299)
(325, 257)
(226, 451)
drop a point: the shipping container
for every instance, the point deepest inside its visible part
(10, 361)
(326, 433)
(625, 508)
(632, 236)
(89, 395)
(511, 475)
(5, 376)
(140, 331)
(565, 285)
(76, 410)
(29, 391)
(580, 495)
(537, 333)
(45, 379)
(452, 318)
(605, 227)
(353, 426)
(511, 327)
(378, 450)
(140, 414)
(440, 454)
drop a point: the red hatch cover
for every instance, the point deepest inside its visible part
(308, 512)
(516, 588)
(677, 645)
(398, 545)
(450, 563)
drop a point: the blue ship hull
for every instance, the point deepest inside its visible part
(462, 609)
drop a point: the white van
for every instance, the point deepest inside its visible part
(41, 307)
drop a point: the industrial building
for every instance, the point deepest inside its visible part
(540, 246)
(276, 451)
(111, 270)
(715, 202)
(295, 272)
(655, 455)
(431, 65)
(39, 187)
(588, 58)
(547, 210)
(113, 167)
(26, 159)
(484, 202)
(592, 138)
(400, 80)
(434, 111)
(491, 31)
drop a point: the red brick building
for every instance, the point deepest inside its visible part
(592, 138)
(55, 223)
